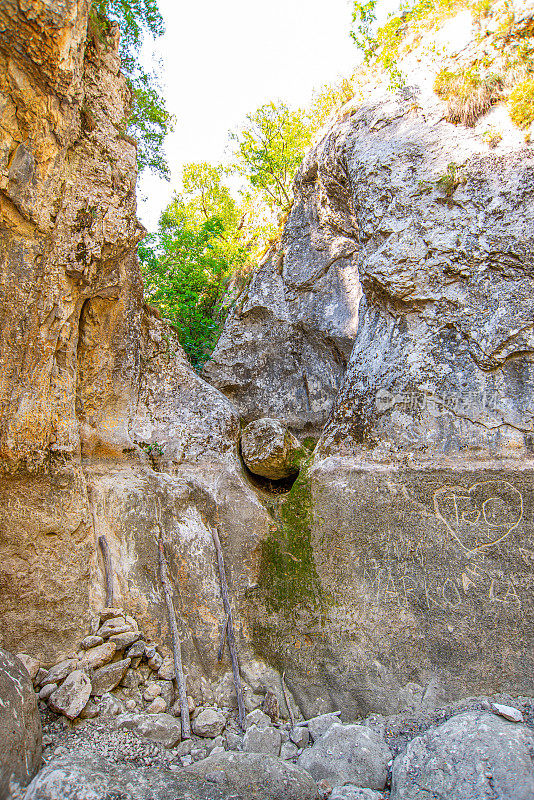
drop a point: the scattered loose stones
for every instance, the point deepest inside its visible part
(125, 687)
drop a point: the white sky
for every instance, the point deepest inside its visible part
(224, 60)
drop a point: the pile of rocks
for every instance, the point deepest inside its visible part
(113, 705)
(116, 670)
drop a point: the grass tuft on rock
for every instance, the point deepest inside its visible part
(467, 93)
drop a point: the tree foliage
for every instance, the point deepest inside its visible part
(149, 121)
(206, 237)
(188, 263)
(268, 150)
(184, 278)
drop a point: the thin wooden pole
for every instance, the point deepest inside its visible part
(176, 648)
(286, 698)
(230, 629)
(104, 548)
(222, 639)
(108, 569)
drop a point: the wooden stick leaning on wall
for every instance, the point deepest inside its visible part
(222, 639)
(286, 698)
(108, 569)
(104, 548)
(176, 648)
(229, 628)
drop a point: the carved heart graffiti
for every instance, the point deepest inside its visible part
(481, 516)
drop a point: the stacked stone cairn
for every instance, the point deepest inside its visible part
(117, 674)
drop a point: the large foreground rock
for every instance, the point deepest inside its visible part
(256, 776)
(68, 778)
(348, 754)
(72, 778)
(472, 756)
(20, 725)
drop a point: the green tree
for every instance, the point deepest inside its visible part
(185, 279)
(269, 149)
(149, 121)
(364, 20)
(204, 197)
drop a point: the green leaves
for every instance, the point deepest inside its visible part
(149, 121)
(269, 149)
(364, 19)
(184, 278)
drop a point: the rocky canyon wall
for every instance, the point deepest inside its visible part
(392, 323)
(402, 568)
(105, 430)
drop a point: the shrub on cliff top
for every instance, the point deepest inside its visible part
(149, 121)
(522, 103)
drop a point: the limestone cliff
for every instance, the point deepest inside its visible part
(105, 430)
(393, 320)
(402, 569)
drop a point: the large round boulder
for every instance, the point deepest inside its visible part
(352, 754)
(472, 756)
(270, 450)
(20, 725)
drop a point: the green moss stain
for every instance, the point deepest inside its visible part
(288, 574)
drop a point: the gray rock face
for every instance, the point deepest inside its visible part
(283, 351)
(270, 450)
(20, 725)
(72, 696)
(348, 754)
(255, 775)
(422, 476)
(470, 757)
